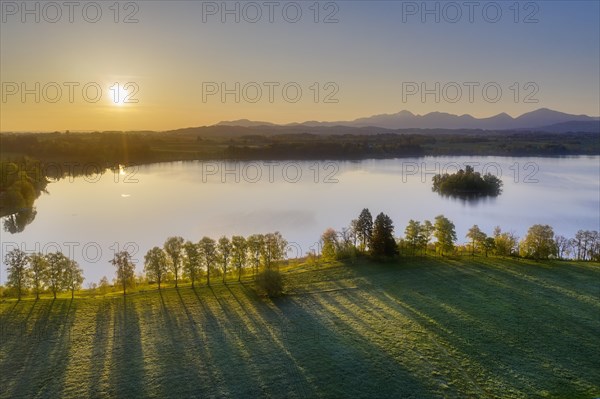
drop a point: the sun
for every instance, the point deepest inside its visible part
(120, 94)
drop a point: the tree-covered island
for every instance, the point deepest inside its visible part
(467, 183)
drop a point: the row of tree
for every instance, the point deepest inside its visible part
(53, 272)
(179, 258)
(540, 242)
(377, 238)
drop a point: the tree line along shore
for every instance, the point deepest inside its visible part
(258, 256)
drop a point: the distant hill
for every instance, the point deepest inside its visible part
(573, 126)
(541, 119)
(244, 123)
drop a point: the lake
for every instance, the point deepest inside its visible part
(137, 208)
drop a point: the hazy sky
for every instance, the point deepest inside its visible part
(374, 59)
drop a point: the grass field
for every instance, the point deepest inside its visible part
(429, 327)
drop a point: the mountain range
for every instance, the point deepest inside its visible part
(543, 119)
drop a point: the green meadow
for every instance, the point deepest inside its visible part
(420, 328)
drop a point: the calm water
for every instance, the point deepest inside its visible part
(140, 207)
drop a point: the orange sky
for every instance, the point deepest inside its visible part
(176, 54)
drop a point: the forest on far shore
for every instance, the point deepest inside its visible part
(110, 148)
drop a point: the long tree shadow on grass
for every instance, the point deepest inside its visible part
(332, 361)
(38, 362)
(100, 349)
(280, 372)
(251, 354)
(127, 378)
(517, 332)
(5, 315)
(177, 344)
(188, 362)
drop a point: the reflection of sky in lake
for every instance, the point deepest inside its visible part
(186, 199)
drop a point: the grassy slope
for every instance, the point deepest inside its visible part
(426, 328)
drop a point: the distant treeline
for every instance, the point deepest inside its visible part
(111, 148)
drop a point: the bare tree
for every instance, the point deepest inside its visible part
(562, 243)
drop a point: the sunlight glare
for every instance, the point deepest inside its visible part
(118, 95)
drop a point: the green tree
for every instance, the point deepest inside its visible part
(16, 222)
(346, 244)
(364, 227)
(488, 245)
(73, 277)
(477, 238)
(209, 255)
(155, 265)
(425, 234)
(330, 244)
(18, 274)
(538, 243)
(383, 242)
(104, 285)
(466, 183)
(174, 250)
(273, 249)
(38, 267)
(239, 253)
(270, 282)
(505, 244)
(224, 247)
(57, 265)
(444, 233)
(192, 261)
(255, 244)
(125, 269)
(412, 234)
